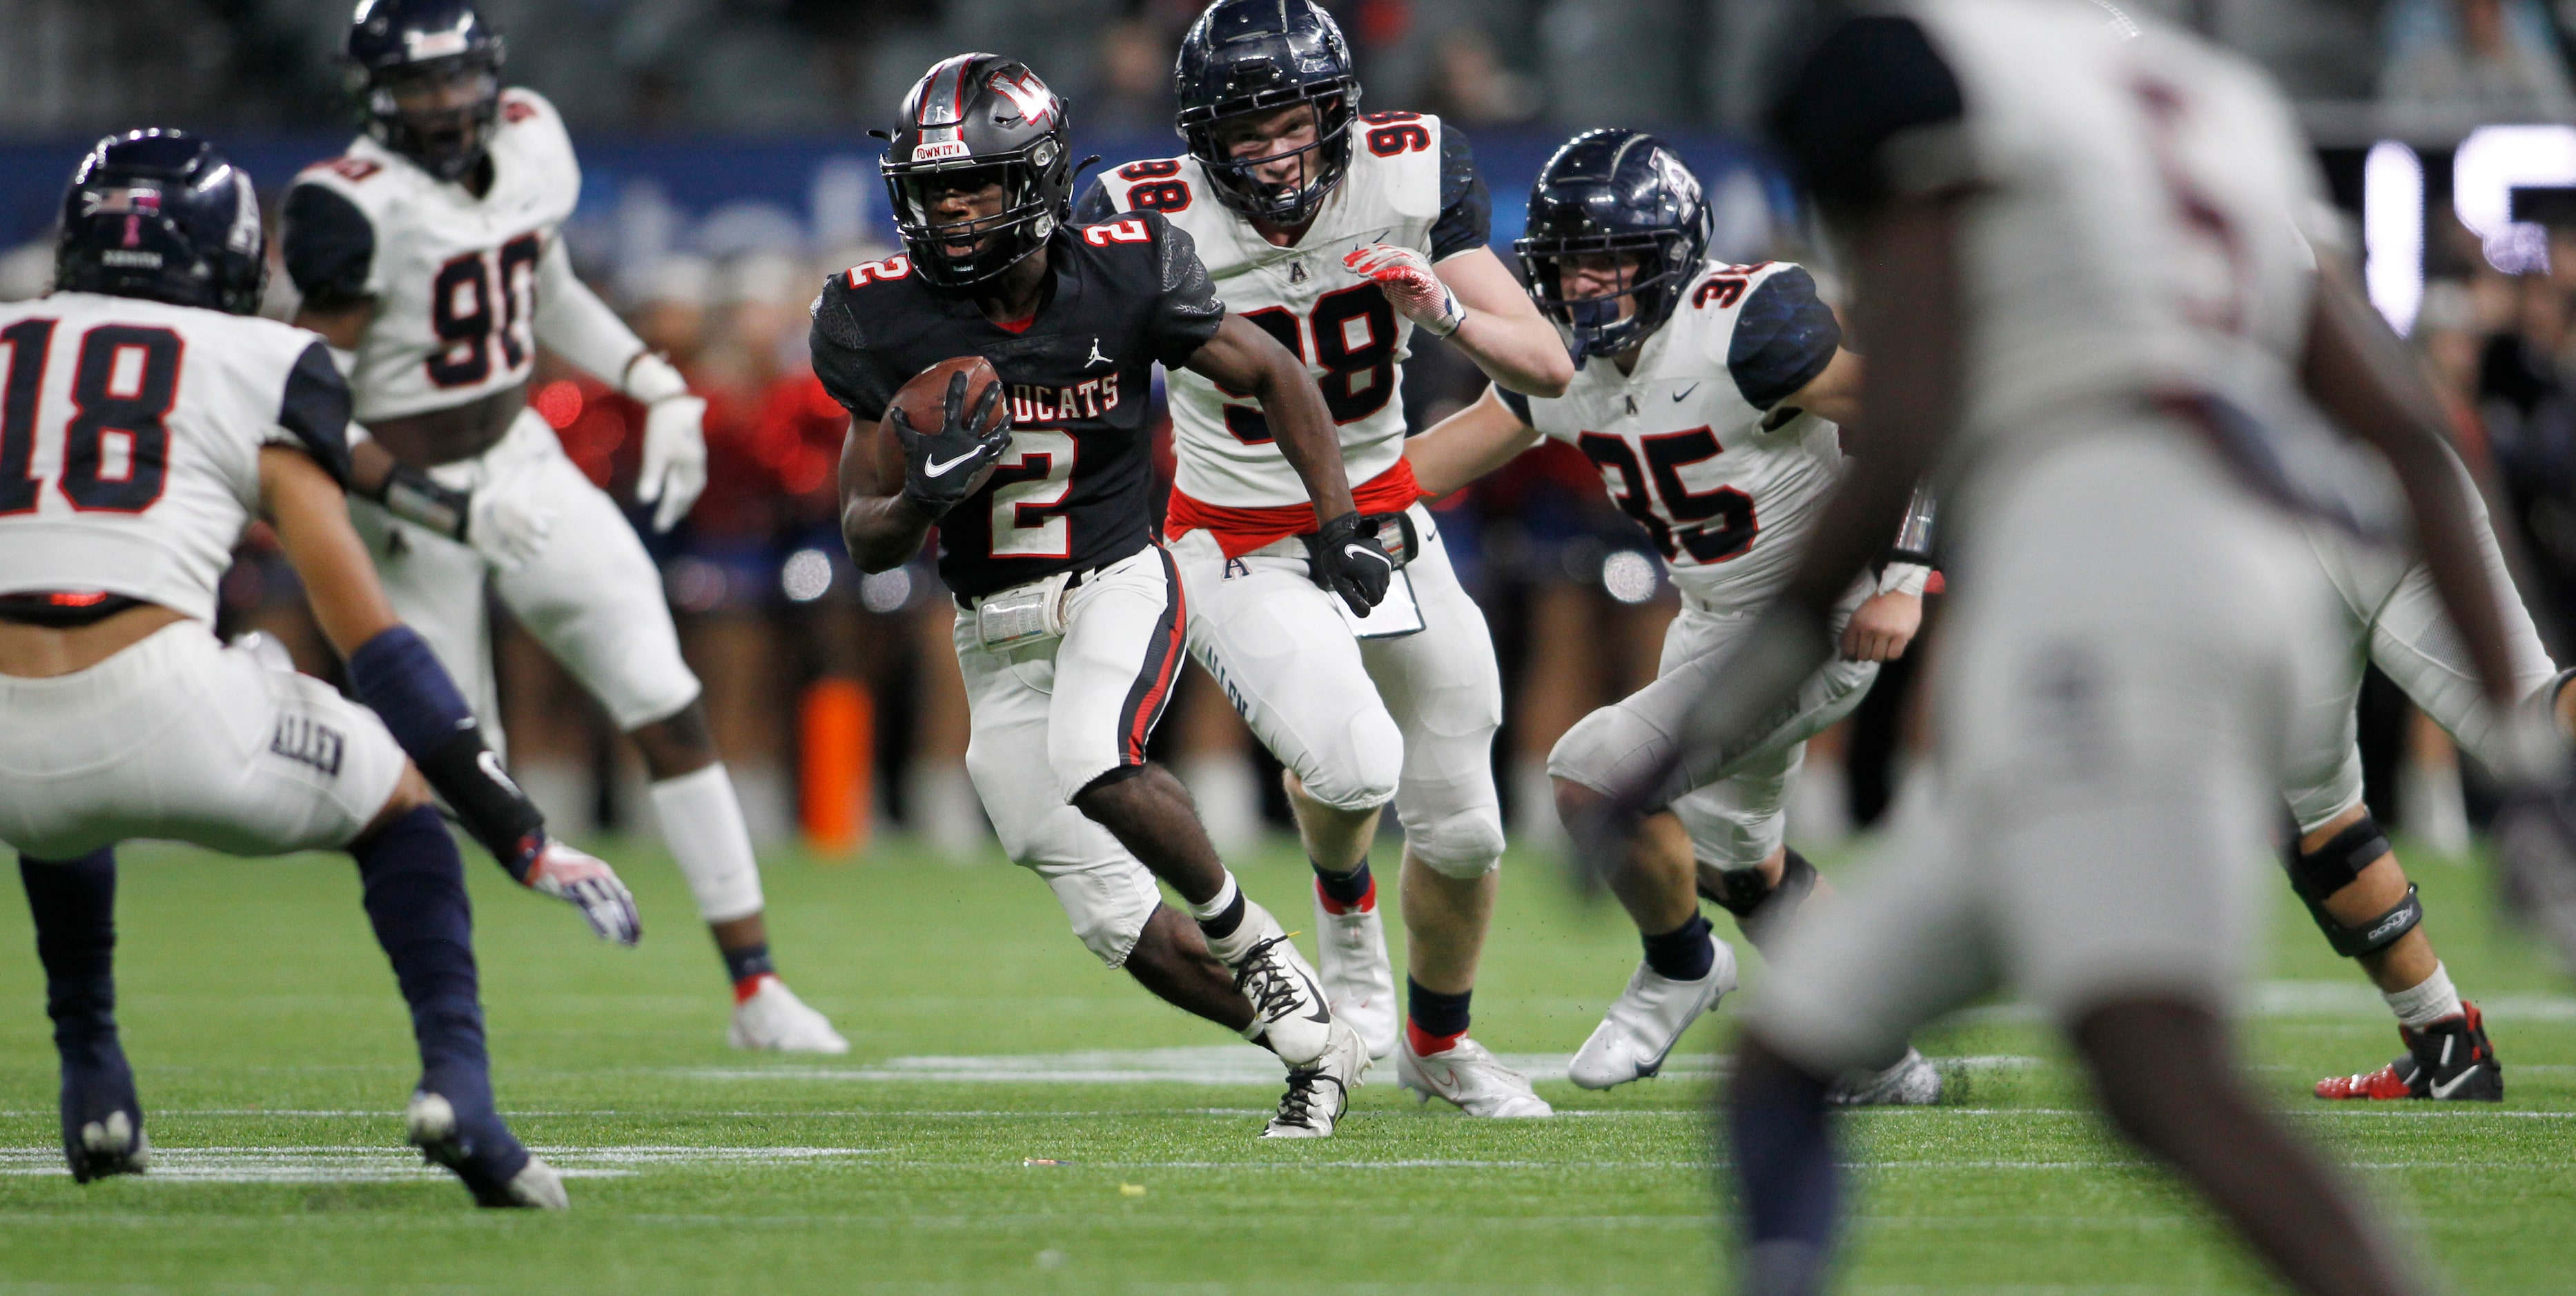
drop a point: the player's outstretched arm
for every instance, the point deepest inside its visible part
(2361, 376)
(395, 674)
(1468, 444)
(1474, 302)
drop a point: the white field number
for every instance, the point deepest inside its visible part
(1049, 535)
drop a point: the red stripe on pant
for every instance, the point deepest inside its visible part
(1145, 702)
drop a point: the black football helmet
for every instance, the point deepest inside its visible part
(974, 119)
(1248, 56)
(1614, 191)
(407, 47)
(160, 214)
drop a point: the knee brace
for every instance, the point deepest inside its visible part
(1465, 845)
(2333, 866)
(1759, 906)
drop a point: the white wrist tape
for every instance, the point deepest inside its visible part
(1904, 578)
(651, 378)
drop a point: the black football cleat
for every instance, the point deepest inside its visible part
(2449, 1060)
(482, 1153)
(102, 1119)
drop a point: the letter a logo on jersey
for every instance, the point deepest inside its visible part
(1035, 102)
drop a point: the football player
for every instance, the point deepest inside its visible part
(146, 417)
(1707, 395)
(2094, 311)
(1339, 233)
(1069, 621)
(430, 254)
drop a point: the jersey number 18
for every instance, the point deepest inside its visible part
(116, 447)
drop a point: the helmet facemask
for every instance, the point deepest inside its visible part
(1322, 162)
(441, 113)
(1659, 264)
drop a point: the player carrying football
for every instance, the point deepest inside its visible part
(1070, 616)
(1339, 233)
(145, 416)
(1707, 394)
(430, 254)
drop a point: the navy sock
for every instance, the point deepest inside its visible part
(747, 962)
(1787, 1182)
(415, 897)
(1685, 953)
(74, 907)
(1434, 1020)
(1344, 889)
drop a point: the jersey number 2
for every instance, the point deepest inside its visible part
(116, 448)
(480, 300)
(1029, 484)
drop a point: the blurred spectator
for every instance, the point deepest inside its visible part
(1135, 90)
(2529, 417)
(1470, 83)
(2493, 60)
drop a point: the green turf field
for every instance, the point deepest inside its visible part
(274, 1059)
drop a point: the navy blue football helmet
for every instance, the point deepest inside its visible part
(1614, 192)
(160, 214)
(443, 50)
(1249, 56)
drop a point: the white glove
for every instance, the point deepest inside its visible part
(588, 884)
(1405, 276)
(507, 524)
(675, 458)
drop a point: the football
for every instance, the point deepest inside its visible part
(924, 402)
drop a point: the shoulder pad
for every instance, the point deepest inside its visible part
(1163, 185)
(888, 270)
(1403, 150)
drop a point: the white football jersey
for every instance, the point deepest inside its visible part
(1696, 445)
(2145, 219)
(454, 276)
(1352, 340)
(130, 437)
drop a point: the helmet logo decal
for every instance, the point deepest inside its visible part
(933, 150)
(1030, 95)
(419, 45)
(121, 201)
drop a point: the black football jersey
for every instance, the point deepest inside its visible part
(1075, 490)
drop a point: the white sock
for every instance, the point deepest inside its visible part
(1218, 903)
(703, 824)
(2429, 1001)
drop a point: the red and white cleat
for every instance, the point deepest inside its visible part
(2449, 1060)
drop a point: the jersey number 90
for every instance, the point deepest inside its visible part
(116, 446)
(481, 302)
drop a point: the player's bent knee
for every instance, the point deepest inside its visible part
(2337, 863)
(1464, 846)
(1108, 909)
(411, 792)
(1362, 773)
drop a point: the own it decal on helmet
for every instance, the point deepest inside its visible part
(1613, 193)
(444, 52)
(159, 214)
(973, 122)
(1257, 56)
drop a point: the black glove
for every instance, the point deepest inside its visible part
(941, 469)
(1347, 559)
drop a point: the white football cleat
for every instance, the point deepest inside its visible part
(432, 1126)
(1646, 1020)
(1359, 981)
(1287, 1001)
(1912, 1082)
(774, 1018)
(1319, 1094)
(1467, 1076)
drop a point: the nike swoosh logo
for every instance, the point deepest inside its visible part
(1365, 552)
(1322, 1013)
(1677, 396)
(2441, 1090)
(934, 468)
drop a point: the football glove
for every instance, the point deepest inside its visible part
(675, 458)
(1405, 276)
(587, 884)
(1347, 560)
(942, 468)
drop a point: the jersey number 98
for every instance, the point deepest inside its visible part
(116, 448)
(1354, 344)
